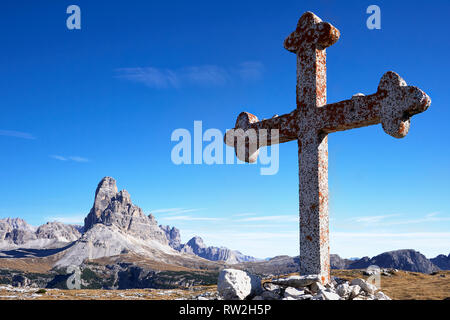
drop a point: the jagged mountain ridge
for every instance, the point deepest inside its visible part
(442, 261)
(406, 259)
(127, 229)
(17, 233)
(197, 247)
(116, 226)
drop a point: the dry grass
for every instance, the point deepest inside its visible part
(131, 294)
(31, 265)
(400, 286)
(405, 285)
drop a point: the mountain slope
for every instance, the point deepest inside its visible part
(407, 259)
(197, 247)
(116, 226)
(16, 233)
(442, 262)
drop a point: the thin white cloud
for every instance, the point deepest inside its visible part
(381, 220)
(204, 75)
(244, 214)
(250, 70)
(281, 218)
(151, 77)
(207, 75)
(373, 219)
(353, 235)
(190, 218)
(17, 134)
(72, 158)
(60, 158)
(172, 211)
(79, 159)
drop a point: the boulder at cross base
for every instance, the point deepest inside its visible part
(238, 285)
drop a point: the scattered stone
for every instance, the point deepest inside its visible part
(293, 293)
(330, 295)
(318, 297)
(238, 285)
(297, 281)
(316, 287)
(270, 295)
(355, 290)
(367, 287)
(343, 290)
(381, 296)
(20, 281)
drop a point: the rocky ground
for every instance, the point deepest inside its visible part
(397, 285)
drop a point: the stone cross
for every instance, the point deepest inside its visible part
(392, 105)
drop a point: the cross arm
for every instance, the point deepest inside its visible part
(393, 105)
(251, 134)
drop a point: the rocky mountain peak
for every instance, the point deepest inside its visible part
(58, 231)
(442, 261)
(15, 223)
(173, 235)
(123, 197)
(196, 243)
(105, 191)
(115, 208)
(405, 259)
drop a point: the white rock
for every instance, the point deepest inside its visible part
(367, 287)
(271, 287)
(355, 290)
(317, 287)
(237, 285)
(343, 290)
(330, 295)
(270, 295)
(318, 297)
(381, 296)
(298, 281)
(288, 298)
(294, 293)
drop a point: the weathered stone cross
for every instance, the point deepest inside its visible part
(392, 105)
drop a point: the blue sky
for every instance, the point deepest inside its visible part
(78, 105)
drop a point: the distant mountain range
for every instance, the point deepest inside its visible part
(407, 260)
(197, 246)
(115, 227)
